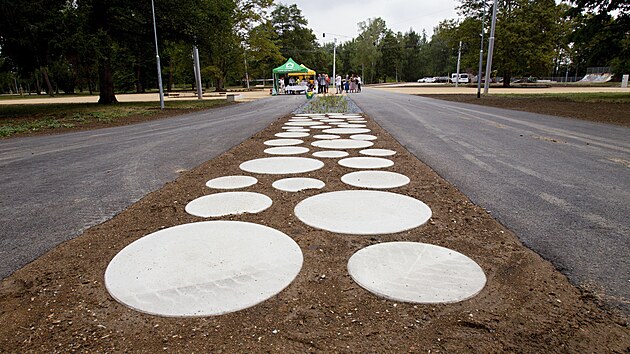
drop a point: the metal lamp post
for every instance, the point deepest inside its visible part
(157, 57)
(483, 20)
(490, 48)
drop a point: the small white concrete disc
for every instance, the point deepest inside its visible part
(377, 152)
(375, 179)
(330, 154)
(320, 127)
(326, 136)
(300, 119)
(362, 212)
(297, 184)
(366, 162)
(231, 182)
(283, 142)
(416, 272)
(362, 137)
(342, 144)
(333, 120)
(337, 124)
(228, 203)
(286, 150)
(346, 131)
(302, 123)
(292, 135)
(349, 125)
(281, 165)
(203, 269)
(294, 129)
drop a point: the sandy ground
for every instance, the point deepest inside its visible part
(142, 97)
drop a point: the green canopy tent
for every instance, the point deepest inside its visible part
(289, 67)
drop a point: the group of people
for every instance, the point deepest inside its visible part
(350, 84)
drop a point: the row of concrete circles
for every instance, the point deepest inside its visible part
(216, 267)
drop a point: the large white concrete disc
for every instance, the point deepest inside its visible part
(375, 179)
(349, 125)
(320, 127)
(281, 165)
(362, 212)
(346, 131)
(283, 142)
(302, 123)
(337, 124)
(377, 152)
(203, 269)
(296, 129)
(416, 272)
(292, 135)
(333, 120)
(342, 144)
(363, 137)
(300, 119)
(286, 150)
(231, 182)
(366, 162)
(332, 154)
(326, 136)
(297, 184)
(228, 203)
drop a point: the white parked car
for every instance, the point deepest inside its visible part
(427, 79)
(463, 78)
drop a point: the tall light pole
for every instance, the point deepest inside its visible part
(490, 48)
(334, 73)
(197, 72)
(459, 58)
(157, 57)
(483, 21)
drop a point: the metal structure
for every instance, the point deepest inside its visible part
(157, 57)
(490, 47)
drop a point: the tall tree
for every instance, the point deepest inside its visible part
(294, 38)
(367, 55)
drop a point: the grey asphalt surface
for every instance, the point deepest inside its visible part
(54, 187)
(562, 185)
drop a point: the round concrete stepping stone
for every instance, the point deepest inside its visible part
(375, 179)
(283, 142)
(231, 182)
(362, 212)
(363, 137)
(281, 165)
(346, 131)
(366, 162)
(377, 152)
(292, 135)
(348, 125)
(286, 150)
(320, 127)
(337, 124)
(332, 154)
(297, 184)
(203, 269)
(302, 123)
(228, 203)
(342, 144)
(294, 129)
(326, 136)
(333, 120)
(416, 272)
(300, 119)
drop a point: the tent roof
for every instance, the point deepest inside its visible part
(290, 67)
(310, 71)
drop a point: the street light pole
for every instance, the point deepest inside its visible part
(490, 48)
(157, 57)
(483, 20)
(334, 77)
(459, 58)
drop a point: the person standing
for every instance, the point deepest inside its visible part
(319, 83)
(338, 84)
(327, 79)
(358, 83)
(347, 84)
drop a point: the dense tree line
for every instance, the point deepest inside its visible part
(107, 46)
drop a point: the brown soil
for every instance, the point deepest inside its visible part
(58, 303)
(612, 113)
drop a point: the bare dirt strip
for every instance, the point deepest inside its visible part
(58, 303)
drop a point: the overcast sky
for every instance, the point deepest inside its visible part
(341, 16)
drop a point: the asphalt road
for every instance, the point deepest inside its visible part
(562, 185)
(54, 187)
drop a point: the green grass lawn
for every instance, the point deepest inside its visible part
(32, 118)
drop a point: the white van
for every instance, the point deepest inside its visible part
(463, 78)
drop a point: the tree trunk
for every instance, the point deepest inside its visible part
(507, 77)
(219, 87)
(106, 82)
(47, 81)
(139, 88)
(39, 87)
(169, 85)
